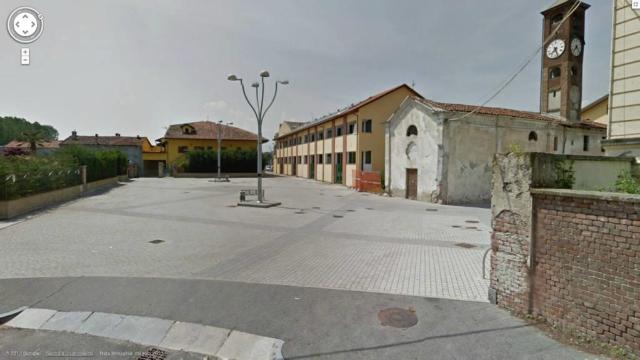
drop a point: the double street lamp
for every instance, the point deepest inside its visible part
(259, 111)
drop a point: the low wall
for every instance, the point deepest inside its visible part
(587, 263)
(12, 208)
(570, 257)
(215, 175)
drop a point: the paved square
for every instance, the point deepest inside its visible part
(324, 236)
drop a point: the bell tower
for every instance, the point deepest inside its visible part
(562, 59)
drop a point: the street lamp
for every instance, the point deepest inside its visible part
(220, 129)
(259, 111)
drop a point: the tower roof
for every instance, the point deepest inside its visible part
(558, 3)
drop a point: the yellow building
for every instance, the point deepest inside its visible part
(331, 148)
(597, 111)
(201, 135)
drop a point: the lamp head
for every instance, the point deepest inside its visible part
(264, 73)
(284, 82)
(255, 85)
(232, 77)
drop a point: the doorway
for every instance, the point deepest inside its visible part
(294, 166)
(412, 184)
(338, 179)
(312, 167)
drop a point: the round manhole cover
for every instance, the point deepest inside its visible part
(398, 318)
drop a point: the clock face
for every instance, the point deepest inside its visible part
(555, 49)
(576, 47)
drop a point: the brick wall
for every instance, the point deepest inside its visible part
(587, 265)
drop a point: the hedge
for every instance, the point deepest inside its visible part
(22, 176)
(233, 161)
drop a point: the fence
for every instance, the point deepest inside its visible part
(367, 181)
(22, 184)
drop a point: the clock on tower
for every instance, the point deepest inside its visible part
(562, 57)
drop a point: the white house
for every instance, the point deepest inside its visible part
(437, 152)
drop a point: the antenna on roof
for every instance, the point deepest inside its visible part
(413, 84)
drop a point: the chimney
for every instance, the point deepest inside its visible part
(117, 134)
(138, 137)
(74, 135)
(96, 135)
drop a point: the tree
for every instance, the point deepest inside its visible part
(35, 138)
(12, 127)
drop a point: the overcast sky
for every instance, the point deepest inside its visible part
(136, 66)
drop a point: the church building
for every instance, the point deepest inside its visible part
(442, 152)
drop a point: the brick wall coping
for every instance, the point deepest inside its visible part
(597, 195)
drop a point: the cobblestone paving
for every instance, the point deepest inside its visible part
(322, 236)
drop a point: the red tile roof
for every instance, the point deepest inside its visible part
(104, 140)
(494, 111)
(209, 130)
(53, 144)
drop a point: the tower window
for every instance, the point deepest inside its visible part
(556, 20)
(574, 71)
(533, 136)
(555, 143)
(555, 73)
(412, 130)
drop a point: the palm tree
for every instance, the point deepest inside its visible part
(34, 137)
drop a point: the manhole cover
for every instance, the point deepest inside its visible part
(370, 209)
(398, 318)
(471, 227)
(351, 210)
(156, 241)
(472, 221)
(456, 226)
(154, 354)
(299, 212)
(316, 207)
(337, 216)
(432, 210)
(465, 245)
(232, 206)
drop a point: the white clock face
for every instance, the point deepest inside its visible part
(555, 49)
(576, 47)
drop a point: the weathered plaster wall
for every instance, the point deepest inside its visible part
(419, 152)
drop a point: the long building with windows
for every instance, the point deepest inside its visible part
(332, 148)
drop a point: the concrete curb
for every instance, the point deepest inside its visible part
(149, 331)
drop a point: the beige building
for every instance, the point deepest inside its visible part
(440, 152)
(332, 148)
(597, 111)
(623, 137)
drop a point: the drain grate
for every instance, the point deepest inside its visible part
(471, 227)
(232, 206)
(156, 241)
(434, 210)
(153, 354)
(398, 318)
(299, 212)
(316, 207)
(337, 216)
(370, 208)
(472, 221)
(465, 245)
(456, 226)
(351, 210)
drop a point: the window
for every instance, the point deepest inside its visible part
(183, 149)
(306, 139)
(313, 137)
(299, 160)
(320, 135)
(555, 143)
(223, 148)
(352, 128)
(306, 159)
(412, 131)
(351, 157)
(209, 148)
(585, 143)
(556, 20)
(367, 126)
(328, 159)
(329, 133)
(533, 136)
(555, 73)
(339, 131)
(320, 159)
(367, 157)
(199, 148)
(574, 71)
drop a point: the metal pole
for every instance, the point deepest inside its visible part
(260, 160)
(219, 148)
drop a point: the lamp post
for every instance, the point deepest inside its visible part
(259, 111)
(220, 129)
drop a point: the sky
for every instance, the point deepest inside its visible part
(136, 66)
